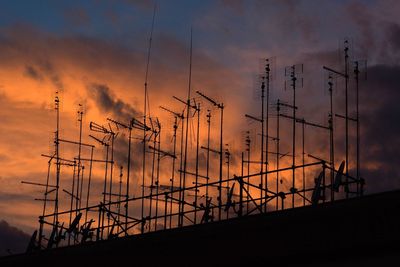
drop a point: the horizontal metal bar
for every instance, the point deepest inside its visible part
(335, 71)
(33, 183)
(75, 143)
(344, 117)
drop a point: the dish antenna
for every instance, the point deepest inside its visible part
(338, 177)
(316, 195)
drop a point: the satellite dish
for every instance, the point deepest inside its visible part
(32, 242)
(316, 195)
(112, 235)
(206, 215)
(229, 201)
(52, 236)
(86, 231)
(338, 177)
(59, 236)
(74, 223)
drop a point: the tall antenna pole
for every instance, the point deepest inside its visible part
(44, 203)
(267, 81)
(157, 183)
(277, 151)
(221, 107)
(187, 125)
(220, 162)
(262, 141)
(173, 169)
(346, 72)
(197, 161)
(331, 136)
(145, 111)
(152, 175)
(58, 162)
(128, 174)
(357, 72)
(89, 182)
(208, 151)
(293, 77)
(79, 174)
(303, 160)
(181, 149)
(248, 143)
(104, 188)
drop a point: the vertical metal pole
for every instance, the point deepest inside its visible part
(44, 205)
(303, 169)
(180, 215)
(173, 170)
(346, 72)
(158, 175)
(262, 144)
(228, 155)
(165, 210)
(220, 164)
(267, 71)
(104, 191)
(152, 179)
(356, 72)
(187, 125)
(294, 134)
(79, 175)
(81, 187)
(72, 202)
(144, 161)
(120, 193)
(208, 151)
(277, 153)
(111, 180)
(331, 137)
(58, 163)
(241, 189)
(145, 112)
(89, 183)
(248, 173)
(128, 171)
(197, 162)
(99, 223)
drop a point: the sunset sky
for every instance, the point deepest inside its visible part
(93, 53)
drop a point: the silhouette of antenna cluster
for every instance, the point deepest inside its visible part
(181, 185)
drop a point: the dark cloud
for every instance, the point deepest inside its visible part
(108, 103)
(364, 19)
(33, 73)
(12, 240)
(14, 197)
(50, 71)
(393, 35)
(44, 69)
(380, 132)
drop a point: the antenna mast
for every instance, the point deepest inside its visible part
(187, 125)
(145, 109)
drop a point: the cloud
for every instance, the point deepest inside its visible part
(12, 239)
(108, 75)
(108, 103)
(393, 35)
(380, 143)
(33, 73)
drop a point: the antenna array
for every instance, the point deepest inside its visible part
(179, 185)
